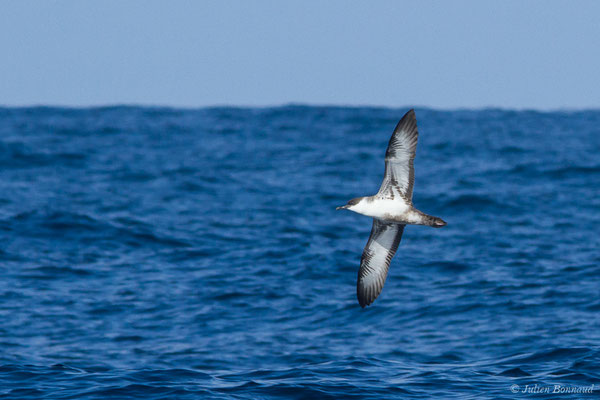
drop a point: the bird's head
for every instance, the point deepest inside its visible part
(350, 204)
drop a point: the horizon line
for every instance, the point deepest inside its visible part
(291, 104)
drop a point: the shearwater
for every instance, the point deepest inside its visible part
(391, 209)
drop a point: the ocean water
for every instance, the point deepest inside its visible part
(162, 253)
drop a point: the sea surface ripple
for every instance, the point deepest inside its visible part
(164, 253)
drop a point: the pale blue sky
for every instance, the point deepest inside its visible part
(447, 54)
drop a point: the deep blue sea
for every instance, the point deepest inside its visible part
(159, 253)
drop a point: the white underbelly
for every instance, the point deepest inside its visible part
(383, 209)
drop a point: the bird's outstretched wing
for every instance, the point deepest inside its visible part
(375, 262)
(399, 169)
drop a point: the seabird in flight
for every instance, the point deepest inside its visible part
(391, 209)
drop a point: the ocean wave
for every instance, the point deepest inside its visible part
(167, 253)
